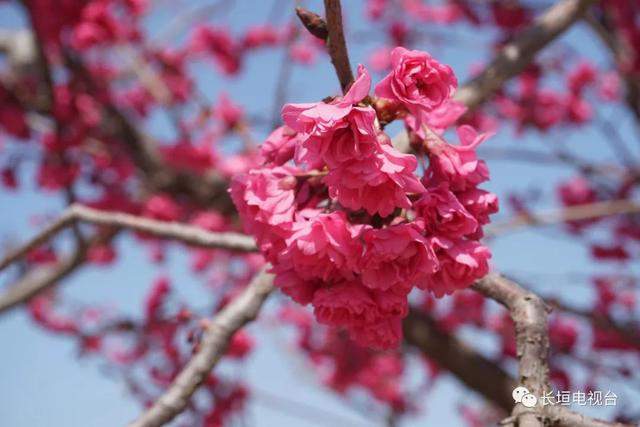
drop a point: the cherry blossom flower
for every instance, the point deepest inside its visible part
(458, 164)
(461, 263)
(396, 257)
(417, 81)
(444, 214)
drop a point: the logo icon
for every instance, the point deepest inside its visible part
(522, 395)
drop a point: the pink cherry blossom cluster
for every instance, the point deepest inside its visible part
(342, 216)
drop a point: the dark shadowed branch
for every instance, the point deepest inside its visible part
(473, 369)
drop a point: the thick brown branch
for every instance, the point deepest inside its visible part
(227, 322)
(336, 43)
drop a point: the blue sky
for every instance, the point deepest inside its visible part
(44, 383)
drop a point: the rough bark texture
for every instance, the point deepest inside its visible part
(529, 314)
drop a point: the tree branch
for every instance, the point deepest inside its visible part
(38, 280)
(571, 213)
(471, 368)
(228, 321)
(185, 233)
(529, 314)
(62, 222)
(336, 43)
(517, 54)
(188, 234)
(620, 51)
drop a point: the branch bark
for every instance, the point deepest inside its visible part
(185, 233)
(336, 43)
(188, 234)
(529, 314)
(228, 321)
